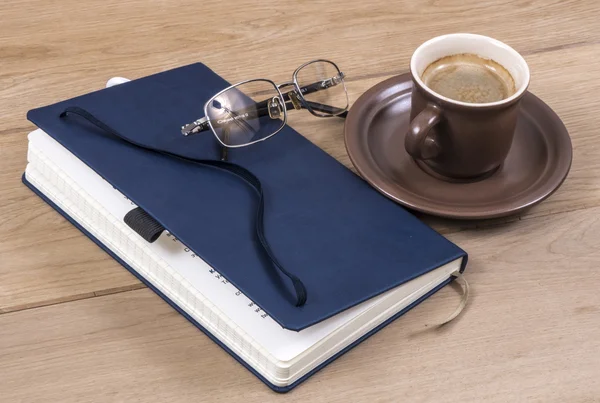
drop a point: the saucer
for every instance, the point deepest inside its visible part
(537, 164)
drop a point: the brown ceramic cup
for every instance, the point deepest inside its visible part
(457, 139)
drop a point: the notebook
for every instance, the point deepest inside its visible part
(364, 259)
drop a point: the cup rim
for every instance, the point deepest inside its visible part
(520, 91)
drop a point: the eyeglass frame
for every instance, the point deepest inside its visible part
(205, 123)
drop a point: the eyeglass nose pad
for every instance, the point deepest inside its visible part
(275, 108)
(295, 100)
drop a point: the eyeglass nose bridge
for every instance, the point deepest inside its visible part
(292, 95)
(295, 100)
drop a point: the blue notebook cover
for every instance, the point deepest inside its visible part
(344, 240)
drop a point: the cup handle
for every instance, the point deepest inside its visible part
(417, 142)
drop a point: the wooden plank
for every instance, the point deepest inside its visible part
(51, 52)
(529, 334)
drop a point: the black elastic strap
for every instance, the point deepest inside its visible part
(143, 223)
(235, 169)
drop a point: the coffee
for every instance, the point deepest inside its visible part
(469, 78)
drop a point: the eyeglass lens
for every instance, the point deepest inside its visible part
(246, 113)
(321, 83)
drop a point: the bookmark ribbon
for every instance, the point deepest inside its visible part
(235, 169)
(460, 279)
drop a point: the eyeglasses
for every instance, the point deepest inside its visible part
(254, 110)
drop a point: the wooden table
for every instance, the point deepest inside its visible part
(75, 326)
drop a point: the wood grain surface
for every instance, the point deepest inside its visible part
(75, 326)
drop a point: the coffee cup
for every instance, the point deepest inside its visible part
(465, 103)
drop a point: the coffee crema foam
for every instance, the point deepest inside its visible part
(469, 78)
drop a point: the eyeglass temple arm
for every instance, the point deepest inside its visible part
(337, 112)
(314, 105)
(312, 88)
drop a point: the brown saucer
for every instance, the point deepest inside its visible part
(538, 162)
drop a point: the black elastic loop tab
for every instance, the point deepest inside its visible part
(235, 169)
(142, 223)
